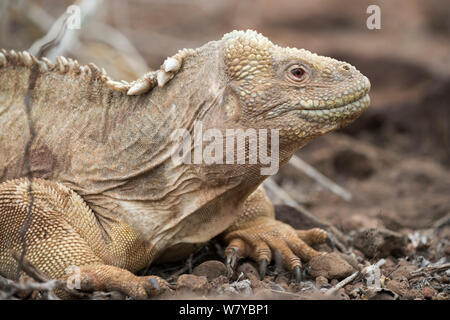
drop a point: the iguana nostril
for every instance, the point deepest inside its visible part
(346, 67)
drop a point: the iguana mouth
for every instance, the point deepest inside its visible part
(334, 113)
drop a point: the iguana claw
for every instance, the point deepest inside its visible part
(262, 268)
(298, 273)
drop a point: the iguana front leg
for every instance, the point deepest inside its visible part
(64, 232)
(257, 234)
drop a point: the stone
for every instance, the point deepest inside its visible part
(192, 283)
(210, 269)
(403, 272)
(399, 287)
(330, 266)
(219, 281)
(380, 243)
(428, 292)
(342, 294)
(321, 281)
(248, 268)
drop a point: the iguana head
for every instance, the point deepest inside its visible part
(299, 92)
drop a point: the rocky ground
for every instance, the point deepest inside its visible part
(394, 234)
(381, 264)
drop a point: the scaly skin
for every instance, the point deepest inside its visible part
(107, 196)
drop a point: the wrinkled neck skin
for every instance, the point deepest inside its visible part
(143, 186)
(135, 178)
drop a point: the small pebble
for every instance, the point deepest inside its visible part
(210, 269)
(193, 283)
(321, 281)
(334, 282)
(428, 292)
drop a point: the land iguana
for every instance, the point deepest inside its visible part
(98, 176)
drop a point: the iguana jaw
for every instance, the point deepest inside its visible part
(325, 114)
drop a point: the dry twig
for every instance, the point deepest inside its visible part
(430, 269)
(342, 284)
(312, 172)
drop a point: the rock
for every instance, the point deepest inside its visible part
(334, 282)
(342, 294)
(355, 290)
(219, 281)
(193, 283)
(403, 272)
(414, 294)
(428, 292)
(254, 280)
(330, 266)
(321, 281)
(380, 243)
(351, 259)
(388, 267)
(399, 287)
(210, 269)
(248, 268)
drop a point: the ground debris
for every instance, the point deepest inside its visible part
(380, 243)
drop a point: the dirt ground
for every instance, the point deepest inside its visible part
(394, 160)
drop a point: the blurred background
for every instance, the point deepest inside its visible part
(394, 160)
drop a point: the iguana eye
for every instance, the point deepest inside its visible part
(297, 73)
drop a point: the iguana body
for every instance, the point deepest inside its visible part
(107, 195)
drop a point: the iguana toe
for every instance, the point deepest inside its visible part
(155, 286)
(263, 238)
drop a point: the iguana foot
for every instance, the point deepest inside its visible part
(262, 238)
(109, 278)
